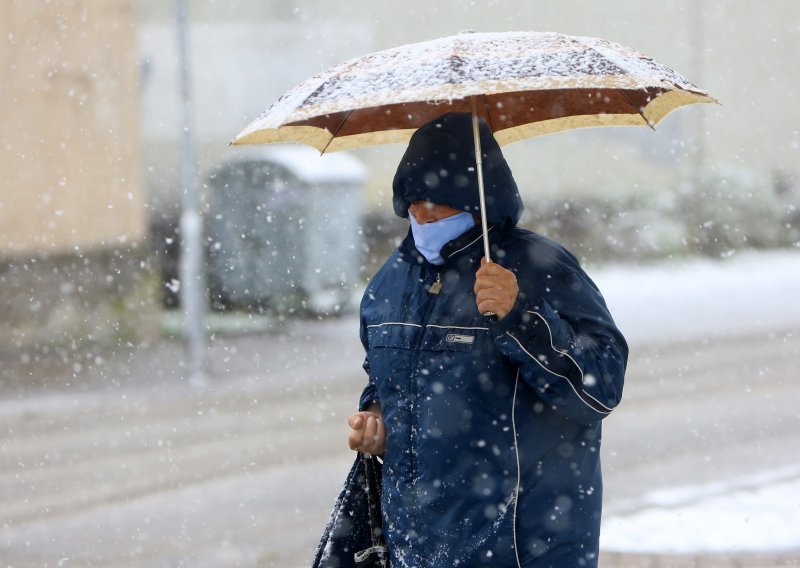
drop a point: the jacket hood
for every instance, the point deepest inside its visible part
(439, 166)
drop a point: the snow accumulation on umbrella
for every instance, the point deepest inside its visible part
(459, 66)
(522, 84)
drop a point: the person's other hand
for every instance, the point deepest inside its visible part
(496, 289)
(367, 432)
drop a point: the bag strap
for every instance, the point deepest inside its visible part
(373, 470)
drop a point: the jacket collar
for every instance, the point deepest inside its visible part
(470, 243)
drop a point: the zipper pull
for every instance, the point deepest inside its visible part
(436, 287)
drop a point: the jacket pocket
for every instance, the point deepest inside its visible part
(393, 334)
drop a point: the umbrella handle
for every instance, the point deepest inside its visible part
(490, 316)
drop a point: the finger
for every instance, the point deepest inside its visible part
(356, 421)
(501, 283)
(370, 432)
(497, 293)
(487, 305)
(488, 264)
(380, 434)
(487, 270)
(481, 285)
(491, 306)
(483, 282)
(494, 269)
(497, 286)
(380, 442)
(490, 301)
(355, 439)
(490, 294)
(486, 279)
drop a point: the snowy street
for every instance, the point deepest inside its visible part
(197, 193)
(140, 469)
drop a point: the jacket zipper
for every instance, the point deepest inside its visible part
(436, 287)
(413, 380)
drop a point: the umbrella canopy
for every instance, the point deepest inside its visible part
(522, 84)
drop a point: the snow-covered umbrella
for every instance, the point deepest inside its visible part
(522, 84)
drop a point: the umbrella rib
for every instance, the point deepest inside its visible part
(335, 132)
(638, 109)
(488, 113)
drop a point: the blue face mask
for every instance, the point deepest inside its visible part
(429, 238)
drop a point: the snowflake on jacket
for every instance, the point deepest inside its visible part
(493, 448)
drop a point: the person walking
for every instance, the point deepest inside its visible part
(489, 427)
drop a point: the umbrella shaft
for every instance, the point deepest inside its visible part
(491, 316)
(479, 163)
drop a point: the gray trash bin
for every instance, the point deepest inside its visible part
(284, 230)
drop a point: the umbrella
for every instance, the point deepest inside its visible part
(522, 84)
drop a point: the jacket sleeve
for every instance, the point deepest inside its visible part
(566, 345)
(370, 393)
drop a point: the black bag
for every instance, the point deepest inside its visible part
(353, 537)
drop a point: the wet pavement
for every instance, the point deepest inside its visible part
(120, 462)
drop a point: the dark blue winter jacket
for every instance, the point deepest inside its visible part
(493, 449)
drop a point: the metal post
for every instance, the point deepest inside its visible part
(192, 291)
(697, 46)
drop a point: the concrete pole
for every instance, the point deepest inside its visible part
(192, 291)
(697, 46)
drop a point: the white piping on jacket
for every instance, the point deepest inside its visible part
(428, 325)
(560, 376)
(470, 244)
(394, 323)
(549, 331)
(519, 474)
(456, 327)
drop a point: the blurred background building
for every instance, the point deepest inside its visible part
(73, 224)
(642, 187)
(90, 136)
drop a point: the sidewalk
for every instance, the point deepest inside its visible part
(776, 560)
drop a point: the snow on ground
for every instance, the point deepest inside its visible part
(689, 299)
(755, 292)
(730, 517)
(669, 303)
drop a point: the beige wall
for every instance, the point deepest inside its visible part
(70, 165)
